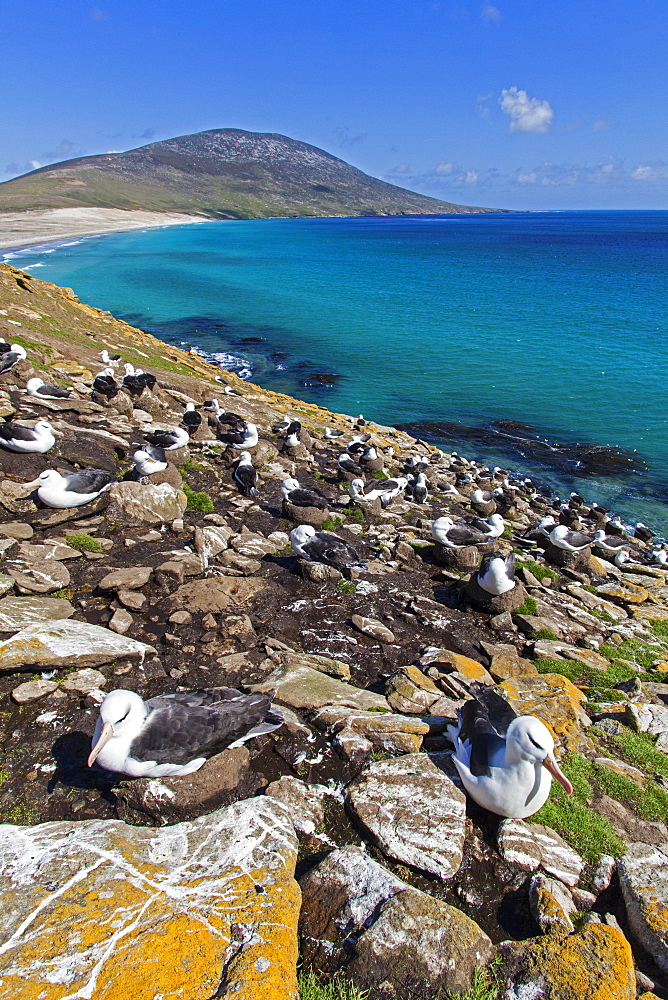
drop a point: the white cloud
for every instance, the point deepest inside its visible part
(527, 114)
(489, 12)
(600, 125)
(445, 168)
(471, 177)
(650, 172)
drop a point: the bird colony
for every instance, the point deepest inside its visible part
(208, 589)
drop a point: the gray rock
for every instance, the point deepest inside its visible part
(215, 594)
(17, 613)
(131, 599)
(252, 545)
(129, 578)
(397, 936)
(325, 664)
(210, 541)
(121, 620)
(373, 628)
(16, 529)
(144, 503)
(385, 730)
(300, 686)
(413, 811)
(306, 803)
(33, 690)
(67, 644)
(529, 845)
(40, 577)
(643, 876)
(84, 681)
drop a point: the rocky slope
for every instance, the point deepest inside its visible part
(190, 887)
(222, 174)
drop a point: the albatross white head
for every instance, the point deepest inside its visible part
(529, 739)
(121, 716)
(288, 485)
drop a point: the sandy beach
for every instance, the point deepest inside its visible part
(18, 229)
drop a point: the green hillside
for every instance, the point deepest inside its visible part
(222, 173)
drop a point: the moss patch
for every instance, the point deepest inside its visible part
(331, 523)
(84, 543)
(529, 607)
(539, 571)
(198, 501)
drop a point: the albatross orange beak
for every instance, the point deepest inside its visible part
(556, 772)
(31, 485)
(105, 735)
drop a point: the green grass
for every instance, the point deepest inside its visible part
(311, 987)
(540, 572)
(636, 652)
(346, 587)
(545, 633)
(17, 815)
(637, 749)
(507, 532)
(660, 629)
(198, 501)
(529, 607)
(588, 832)
(485, 985)
(356, 514)
(64, 594)
(599, 684)
(84, 543)
(379, 474)
(331, 523)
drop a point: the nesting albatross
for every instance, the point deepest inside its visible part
(71, 490)
(176, 733)
(506, 762)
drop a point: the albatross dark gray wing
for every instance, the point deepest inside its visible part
(88, 481)
(461, 534)
(484, 723)
(16, 432)
(182, 727)
(307, 498)
(330, 549)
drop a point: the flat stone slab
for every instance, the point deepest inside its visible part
(67, 644)
(643, 876)
(106, 910)
(146, 503)
(413, 811)
(17, 613)
(40, 577)
(128, 578)
(530, 845)
(300, 686)
(220, 593)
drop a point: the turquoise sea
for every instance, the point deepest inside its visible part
(555, 320)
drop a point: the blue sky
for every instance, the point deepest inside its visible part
(524, 104)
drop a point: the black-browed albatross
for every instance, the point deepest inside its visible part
(176, 733)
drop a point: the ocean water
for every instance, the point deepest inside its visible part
(554, 320)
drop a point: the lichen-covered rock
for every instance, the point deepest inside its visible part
(105, 910)
(595, 963)
(550, 697)
(17, 613)
(385, 730)
(413, 811)
(551, 905)
(397, 937)
(529, 845)
(325, 664)
(643, 876)
(144, 503)
(300, 686)
(67, 644)
(411, 691)
(623, 592)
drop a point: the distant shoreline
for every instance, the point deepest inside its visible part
(25, 229)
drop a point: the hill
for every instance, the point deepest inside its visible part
(221, 173)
